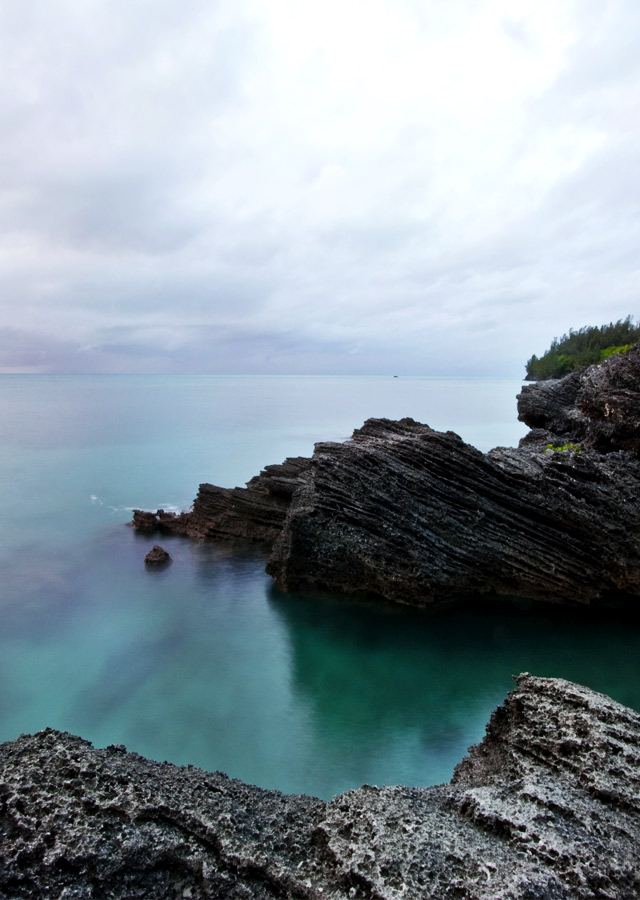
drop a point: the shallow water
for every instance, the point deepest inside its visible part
(204, 661)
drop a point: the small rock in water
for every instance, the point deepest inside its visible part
(157, 556)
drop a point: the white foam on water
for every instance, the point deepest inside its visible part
(167, 507)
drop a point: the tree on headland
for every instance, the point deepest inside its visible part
(582, 348)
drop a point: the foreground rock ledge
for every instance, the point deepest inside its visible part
(547, 807)
(419, 517)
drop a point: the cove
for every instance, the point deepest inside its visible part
(209, 664)
(205, 662)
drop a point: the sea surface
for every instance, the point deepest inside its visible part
(204, 661)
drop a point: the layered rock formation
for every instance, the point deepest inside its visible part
(547, 807)
(420, 517)
(254, 513)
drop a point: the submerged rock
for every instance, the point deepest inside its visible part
(419, 517)
(547, 807)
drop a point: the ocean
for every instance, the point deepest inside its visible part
(205, 661)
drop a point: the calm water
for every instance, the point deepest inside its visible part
(204, 662)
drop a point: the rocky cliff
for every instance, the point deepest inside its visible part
(417, 516)
(547, 807)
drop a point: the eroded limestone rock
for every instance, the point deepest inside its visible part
(547, 807)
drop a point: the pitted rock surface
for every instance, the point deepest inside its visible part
(547, 807)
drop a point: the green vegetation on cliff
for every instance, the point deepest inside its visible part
(582, 348)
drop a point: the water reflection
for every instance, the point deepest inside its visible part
(205, 662)
(407, 691)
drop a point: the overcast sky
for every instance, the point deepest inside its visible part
(314, 186)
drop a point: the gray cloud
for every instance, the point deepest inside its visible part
(410, 187)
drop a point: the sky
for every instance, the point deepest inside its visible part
(295, 186)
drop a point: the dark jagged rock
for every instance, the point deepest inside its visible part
(157, 556)
(550, 407)
(609, 398)
(145, 522)
(417, 516)
(253, 513)
(598, 407)
(420, 517)
(547, 807)
(165, 522)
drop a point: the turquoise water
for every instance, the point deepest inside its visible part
(205, 662)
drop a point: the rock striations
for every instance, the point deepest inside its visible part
(254, 513)
(419, 517)
(547, 807)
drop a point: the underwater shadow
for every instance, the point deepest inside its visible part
(434, 677)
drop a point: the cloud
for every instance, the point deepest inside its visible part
(331, 187)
